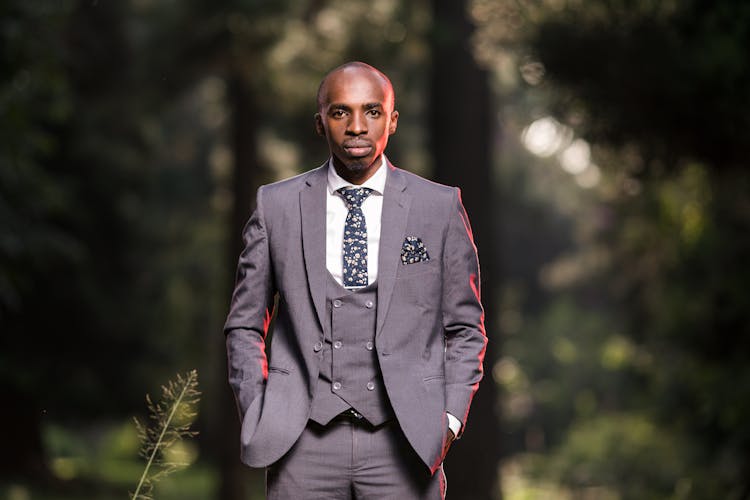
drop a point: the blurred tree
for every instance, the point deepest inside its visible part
(660, 90)
(67, 223)
(29, 203)
(97, 192)
(462, 134)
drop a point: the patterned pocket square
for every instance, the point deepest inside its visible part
(413, 251)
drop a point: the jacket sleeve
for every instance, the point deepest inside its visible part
(250, 313)
(463, 315)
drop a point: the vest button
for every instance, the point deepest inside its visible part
(337, 303)
(369, 345)
(370, 386)
(318, 346)
(336, 386)
(337, 344)
(369, 304)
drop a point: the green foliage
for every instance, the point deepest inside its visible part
(626, 453)
(34, 98)
(74, 192)
(171, 418)
(111, 250)
(647, 403)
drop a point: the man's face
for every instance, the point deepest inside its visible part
(356, 118)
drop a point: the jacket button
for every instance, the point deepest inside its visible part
(370, 386)
(336, 386)
(337, 344)
(369, 345)
(318, 346)
(337, 303)
(369, 304)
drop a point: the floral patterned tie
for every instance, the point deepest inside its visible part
(355, 238)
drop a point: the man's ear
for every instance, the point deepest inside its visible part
(394, 122)
(319, 125)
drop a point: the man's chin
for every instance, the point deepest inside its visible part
(358, 165)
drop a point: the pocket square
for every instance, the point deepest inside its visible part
(413, 251)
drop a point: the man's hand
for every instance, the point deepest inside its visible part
(449, 438)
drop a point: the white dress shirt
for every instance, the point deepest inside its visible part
(372, 208)
(336, 211)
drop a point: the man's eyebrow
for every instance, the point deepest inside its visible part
(336, 106)
(373, 105)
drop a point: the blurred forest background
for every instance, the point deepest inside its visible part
(601, 146)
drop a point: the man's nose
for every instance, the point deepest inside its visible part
(357, 124)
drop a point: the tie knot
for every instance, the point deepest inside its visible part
(353, 197)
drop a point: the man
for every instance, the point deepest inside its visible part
(377, 347)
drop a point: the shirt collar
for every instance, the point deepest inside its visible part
(376, 182)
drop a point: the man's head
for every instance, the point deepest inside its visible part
(356, 115)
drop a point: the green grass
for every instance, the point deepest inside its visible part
(99, 461)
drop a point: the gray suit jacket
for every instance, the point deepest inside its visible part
(430, 337)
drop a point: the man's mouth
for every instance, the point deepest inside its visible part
(358, 149)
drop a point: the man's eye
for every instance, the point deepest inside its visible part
(337, 114)
(374, 112)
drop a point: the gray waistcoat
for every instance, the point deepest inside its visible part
(349, 373)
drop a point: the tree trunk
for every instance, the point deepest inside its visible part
(235, 477)
(21, 419)
(461, 132)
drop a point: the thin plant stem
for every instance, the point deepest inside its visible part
(161, 435)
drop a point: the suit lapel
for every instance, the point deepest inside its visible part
(312, 200)
(396, 204)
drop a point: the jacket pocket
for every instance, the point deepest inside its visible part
(417, 268)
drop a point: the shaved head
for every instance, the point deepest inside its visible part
(355, 66)
(356, 115)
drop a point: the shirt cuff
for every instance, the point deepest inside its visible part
(454, 424)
